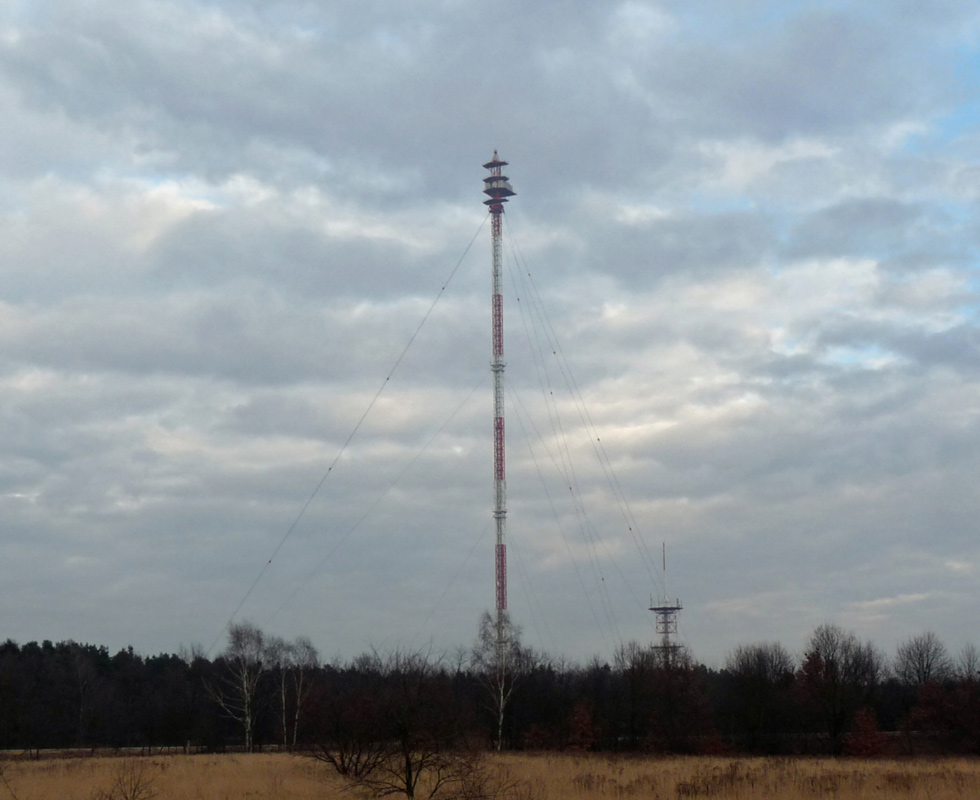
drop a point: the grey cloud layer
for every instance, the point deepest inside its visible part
(754, 234)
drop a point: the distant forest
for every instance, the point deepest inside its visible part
(843, 696)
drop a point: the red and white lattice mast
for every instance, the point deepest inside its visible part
(496, 186)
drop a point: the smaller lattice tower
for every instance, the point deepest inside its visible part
(666, 610)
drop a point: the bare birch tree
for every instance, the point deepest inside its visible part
(500, 664)
(280, 656)
(244, 662)
(306, 659)
(294, 663)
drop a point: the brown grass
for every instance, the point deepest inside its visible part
(596, 777)
(223, 777)
(550, 777)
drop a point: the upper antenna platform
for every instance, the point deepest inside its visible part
(496, 185)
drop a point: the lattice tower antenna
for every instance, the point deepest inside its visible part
(666, 610)
(498, 189)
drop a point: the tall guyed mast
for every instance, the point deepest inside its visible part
(496, 186)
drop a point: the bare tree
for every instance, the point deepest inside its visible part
(637, 664)
(394, 731)
(923, 659)
(306, 659)
(350, 724)
(839, 675)
(243, 665)
(85, 677)
(280, 657)
(189, 655)
(679, 708)
(131, 780)
(761, 674)
(767, 662)
(968, 664)
(500, 665)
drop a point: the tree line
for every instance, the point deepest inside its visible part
(841, 695)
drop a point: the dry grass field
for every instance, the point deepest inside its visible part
(204, 777)
(544, 777)
(595, 777)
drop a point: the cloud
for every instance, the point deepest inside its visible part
(740, 302)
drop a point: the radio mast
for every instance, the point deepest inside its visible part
(497, 187)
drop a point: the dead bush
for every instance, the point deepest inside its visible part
(131, 780)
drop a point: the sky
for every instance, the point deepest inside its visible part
(245, 321)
